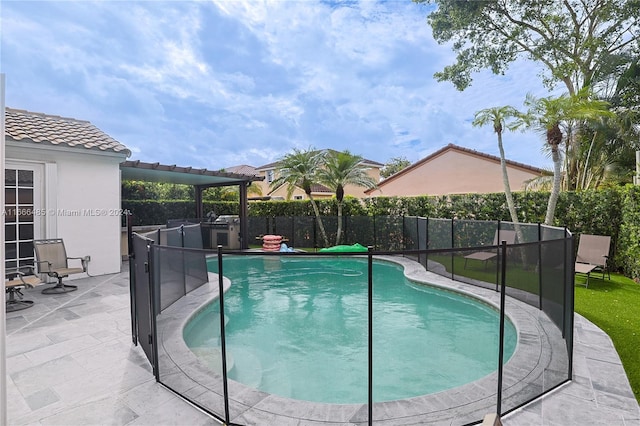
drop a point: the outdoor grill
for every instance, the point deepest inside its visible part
(223, 231)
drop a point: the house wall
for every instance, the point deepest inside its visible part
(454, 172)
(359, 191)
(81, 200)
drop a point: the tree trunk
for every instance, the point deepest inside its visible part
(507, 190)
(584, 185)
(323, 234)
(555, 188)
(505, 181)
(509, 196)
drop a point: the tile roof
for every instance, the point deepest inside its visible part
(320, 188)
(27, 126)
(242, 169)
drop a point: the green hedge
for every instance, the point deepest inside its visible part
(614, 212)
(158, 212)
(629, 242)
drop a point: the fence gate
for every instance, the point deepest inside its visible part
(142, 296)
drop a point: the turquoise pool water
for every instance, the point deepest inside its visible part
(297, 327)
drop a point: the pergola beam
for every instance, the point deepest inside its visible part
(201, 179)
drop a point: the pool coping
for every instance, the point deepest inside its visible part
(533, 366)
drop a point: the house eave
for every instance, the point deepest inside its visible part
(49, 147)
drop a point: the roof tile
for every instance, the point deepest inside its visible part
(27, 126)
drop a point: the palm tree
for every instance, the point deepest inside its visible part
(299, 169)
(498, 116)
(552, 115)
(342, 169)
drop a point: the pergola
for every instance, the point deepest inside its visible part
(200, 179)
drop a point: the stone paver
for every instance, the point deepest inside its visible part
(71, 361)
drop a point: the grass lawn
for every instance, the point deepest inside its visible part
(614, 306)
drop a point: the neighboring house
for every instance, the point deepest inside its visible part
(455, 170)
(270, 173)
(242, 169)
(62, 180)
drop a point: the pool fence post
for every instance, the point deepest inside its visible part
(223, 345)
(500, 254)
(154, 302)
(426, 246)
(539, 265)
(292, 238)
(565, 282)
(417, 243)
(370, 314)
(501, 342)
(452, 246)
(375, 234)
(184, 275)
(132, 279)
(569, 263)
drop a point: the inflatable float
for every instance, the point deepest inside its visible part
(271, 242)
(345, 249)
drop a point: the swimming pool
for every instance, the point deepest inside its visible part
(297, 327)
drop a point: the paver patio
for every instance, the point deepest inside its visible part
(71, 361)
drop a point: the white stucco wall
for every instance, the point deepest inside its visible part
(81, 200)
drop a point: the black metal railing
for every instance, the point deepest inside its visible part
(171, 281)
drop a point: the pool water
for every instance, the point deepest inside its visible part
(297, 327)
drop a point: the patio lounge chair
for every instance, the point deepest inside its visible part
(593, 253)
(51, 258)
(16, 280)
(484, 256)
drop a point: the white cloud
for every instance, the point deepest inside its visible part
(243, 82)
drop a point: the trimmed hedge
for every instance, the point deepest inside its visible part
(614, 212)
(158, 212)
(629, 242)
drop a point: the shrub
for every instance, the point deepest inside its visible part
(614, 212)
(629, 241)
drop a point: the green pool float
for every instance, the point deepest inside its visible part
(345, 249)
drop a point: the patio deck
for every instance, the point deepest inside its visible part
(70, 361)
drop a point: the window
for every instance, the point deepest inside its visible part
(19, 216)
(297, 197)
(270, 176)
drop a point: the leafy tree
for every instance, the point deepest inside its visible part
(571, 38)
(553, 115)
(622, 138)
(498, 116)
(300, 169)
(394, 165)
(229, 193)
(342, 169)
(143, 190)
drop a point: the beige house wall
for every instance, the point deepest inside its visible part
(454, 172)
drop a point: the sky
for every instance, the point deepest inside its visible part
(216, 84)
